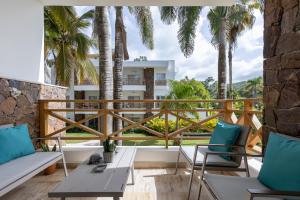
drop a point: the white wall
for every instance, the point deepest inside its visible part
(21, 41)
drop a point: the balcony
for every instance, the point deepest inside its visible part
(130, 81)
(136, 84)
(161, 82)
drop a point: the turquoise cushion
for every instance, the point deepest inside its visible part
(15, 142)
(224, 133)
(281, 166)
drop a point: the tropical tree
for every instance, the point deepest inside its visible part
(255, 86)
(218, 20)
(103, 31)
(242, 17)
(190, 89)
(145, 24)
(68, 45)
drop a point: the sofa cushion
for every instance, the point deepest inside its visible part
(15, 142)
(234, 187)
(224, 133)
(20, 167)
(212, 160)
(281, 166)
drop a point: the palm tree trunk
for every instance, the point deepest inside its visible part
(105, 62)
(222, 62)
(118, 67)
(230, 70)
(71, 92)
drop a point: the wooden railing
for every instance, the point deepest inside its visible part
(243, 112)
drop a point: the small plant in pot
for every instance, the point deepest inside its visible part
(109, 148)
(52, 168)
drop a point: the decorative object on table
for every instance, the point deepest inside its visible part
(99, 168)
(52, 168)
(95, 159)
(109, 148)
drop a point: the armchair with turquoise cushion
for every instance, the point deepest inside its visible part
(225, 138)
(278, 179)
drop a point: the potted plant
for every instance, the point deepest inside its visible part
(109, 148)
(52, 168)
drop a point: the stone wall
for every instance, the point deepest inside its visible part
(19, 103)
(282, 67)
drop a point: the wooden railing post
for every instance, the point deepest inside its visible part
(228, 114)
(166, 126)
(44, 118)
(247, 108)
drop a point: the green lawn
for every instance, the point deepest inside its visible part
(135, 142)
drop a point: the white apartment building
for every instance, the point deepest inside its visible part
(142, 79)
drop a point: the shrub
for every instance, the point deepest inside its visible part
(158, 124)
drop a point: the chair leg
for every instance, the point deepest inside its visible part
(65, 166)
(200, 187)
(177, 162)
(63, 156)
(246, 166)
(190, 183)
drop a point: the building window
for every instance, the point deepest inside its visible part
(93, 97)
(158, 104)
(160, 97)
(134, 104)
(160, 76)
(133, 79)
(160, 79)
(134, 97)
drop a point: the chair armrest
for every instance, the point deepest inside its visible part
(44, 138)
(245, 155)
(233, 154)
(221, 145)
(271, 194)
(197, 134)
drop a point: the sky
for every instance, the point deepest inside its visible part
(247, 56)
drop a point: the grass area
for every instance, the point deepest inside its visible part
(135, 142)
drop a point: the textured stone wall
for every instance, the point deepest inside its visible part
(282, 67)
(149, 93)
(19, 103)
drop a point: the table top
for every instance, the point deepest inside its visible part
(81, 182)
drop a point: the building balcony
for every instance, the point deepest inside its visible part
(129, 81)
(161, 82)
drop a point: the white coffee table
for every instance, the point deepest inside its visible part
(81, 182)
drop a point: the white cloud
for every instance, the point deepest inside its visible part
(247, 61)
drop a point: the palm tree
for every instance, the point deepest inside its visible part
(188, 19)
(254, 85)
(103, 31)
(242, 18)
(68, 45)
(145, 23)
(218, 20)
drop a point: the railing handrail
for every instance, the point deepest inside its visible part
(152, 100)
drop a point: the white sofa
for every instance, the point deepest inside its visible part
(17, 171)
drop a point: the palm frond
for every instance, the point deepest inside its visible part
(168, 14)
(144, 20)
(188, 18)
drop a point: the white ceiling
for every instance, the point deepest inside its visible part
(138, 2)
